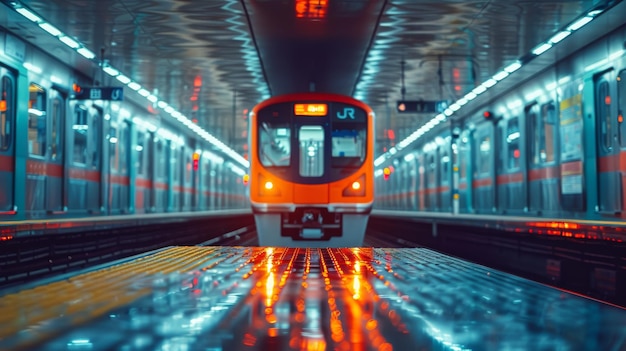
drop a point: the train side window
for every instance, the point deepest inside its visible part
(603, 110)
(621, 105)
(80, 128)
(161, 164)
(483, 156)
(175, 157)
(348, 145)
(274, 144)
(94, 140)
(512, 144)
(37, 127)
(7, 112)
(445, 167)
(57, 111)
(311, 141)
(548, 119)
(141, 153)
(188, 162)
(114, 157)
(122, 149)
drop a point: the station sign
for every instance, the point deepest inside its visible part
(421, 106)
(100, 93)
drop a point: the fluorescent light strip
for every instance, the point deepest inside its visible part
(542, 48)
(29, 15)
(69, 42)
(50, 29)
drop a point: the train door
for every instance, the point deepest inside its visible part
(607, 146)
(161, 164)
(119, 144)
(445, 177)
(430, 179)
(186, 186)
(144, 168)
(511, 182)
(55, 199)
(7, 140)
(36, 168)
(464, 155)
(411, 161)
(483, 182)
(571, 151)
(621, 110)
(543, 173)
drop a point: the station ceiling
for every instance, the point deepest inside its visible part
(213, 60)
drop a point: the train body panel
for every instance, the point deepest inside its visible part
(311, 172)
(62, 157)
(554, 145)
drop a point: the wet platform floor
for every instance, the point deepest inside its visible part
(251, 298)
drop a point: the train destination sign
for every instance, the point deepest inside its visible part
(100, 93)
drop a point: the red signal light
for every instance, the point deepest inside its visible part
(386, 172)
(196, 160)
(488, 115)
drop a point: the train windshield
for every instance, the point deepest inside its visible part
(348, 145)
(275, 144)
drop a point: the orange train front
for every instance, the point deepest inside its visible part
(311, 170)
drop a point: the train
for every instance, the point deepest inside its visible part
(311, 170)
(552, 145)
(66, 157)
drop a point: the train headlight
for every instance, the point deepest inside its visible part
(267, 187)
(356, 188)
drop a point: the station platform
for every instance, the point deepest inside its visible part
(263, 298)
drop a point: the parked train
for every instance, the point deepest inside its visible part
(553, 145)
(311, 170)
(61, 157)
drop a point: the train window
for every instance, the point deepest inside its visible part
(603, 110)
(483, 156)
(161, 165)
(513, 144)
(274, 144)
(57, 111)
(113, 150)
(621, 104)
(80, 128)
(175, 156)
(7, 111)
(122, 148)
(541, 125)
(37, 120)
(141, 153)
(348, 145)
(311, 141)
(94, 140)
(445, 167)
(548, 117)
(464, 155)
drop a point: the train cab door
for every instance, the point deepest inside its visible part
(311, 145)
(8, 97)
(609, 167)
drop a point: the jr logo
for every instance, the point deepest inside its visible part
(347, 112)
